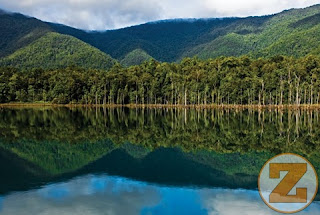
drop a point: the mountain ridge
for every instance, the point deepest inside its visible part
(174, 39)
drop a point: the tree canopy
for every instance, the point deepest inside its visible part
(226, 80)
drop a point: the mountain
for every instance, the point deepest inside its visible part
(164, 40)
(28, 42)
(55, 50)
(17, 31)
(294, 32)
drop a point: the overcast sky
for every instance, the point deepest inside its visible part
(111, 14)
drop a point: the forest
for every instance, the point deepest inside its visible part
(277, 80)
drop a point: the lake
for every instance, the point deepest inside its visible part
(56, 160)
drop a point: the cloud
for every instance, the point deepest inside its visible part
(110, 14)
(89, 195)
(88, 14)
(255, 7)
(242, 202)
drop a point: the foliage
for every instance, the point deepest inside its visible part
(135, 57)
(227, 80)
(172, 40)
(56, 51)
(17, 31)
(292, 33)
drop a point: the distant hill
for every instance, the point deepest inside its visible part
(55, 50)
(294, 32)
(163, 40)
(135, 57)
(17, 31)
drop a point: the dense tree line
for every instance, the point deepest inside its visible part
(226, 80)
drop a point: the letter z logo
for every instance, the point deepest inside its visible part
(288, 183)
(281, 193)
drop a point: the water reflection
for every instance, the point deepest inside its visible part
(166, 166)
(61, 140)
(93, 194)
(145, 161)
(1, 200)
(219, 130)
(84, 196)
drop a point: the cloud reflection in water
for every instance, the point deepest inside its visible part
(95, 195)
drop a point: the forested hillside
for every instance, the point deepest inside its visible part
(17, 31)
(55, 50)
(135, 57)
(293, 32)
(276, 61)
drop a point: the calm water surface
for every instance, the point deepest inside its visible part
(145, 161)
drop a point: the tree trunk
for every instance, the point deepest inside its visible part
(289, 85)
(96, 98)
(297, 91)
(105, 95)
(185, 97)
(281, 92)
(305, 96)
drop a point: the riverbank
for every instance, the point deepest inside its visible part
(202, 106)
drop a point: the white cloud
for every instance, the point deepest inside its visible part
(98, 195)
(109, 14)
(85, 14)
(254, 7)
(242, 202)
(83, 196)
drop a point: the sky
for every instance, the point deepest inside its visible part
(113, 14)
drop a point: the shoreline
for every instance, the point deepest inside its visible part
(202, 106)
